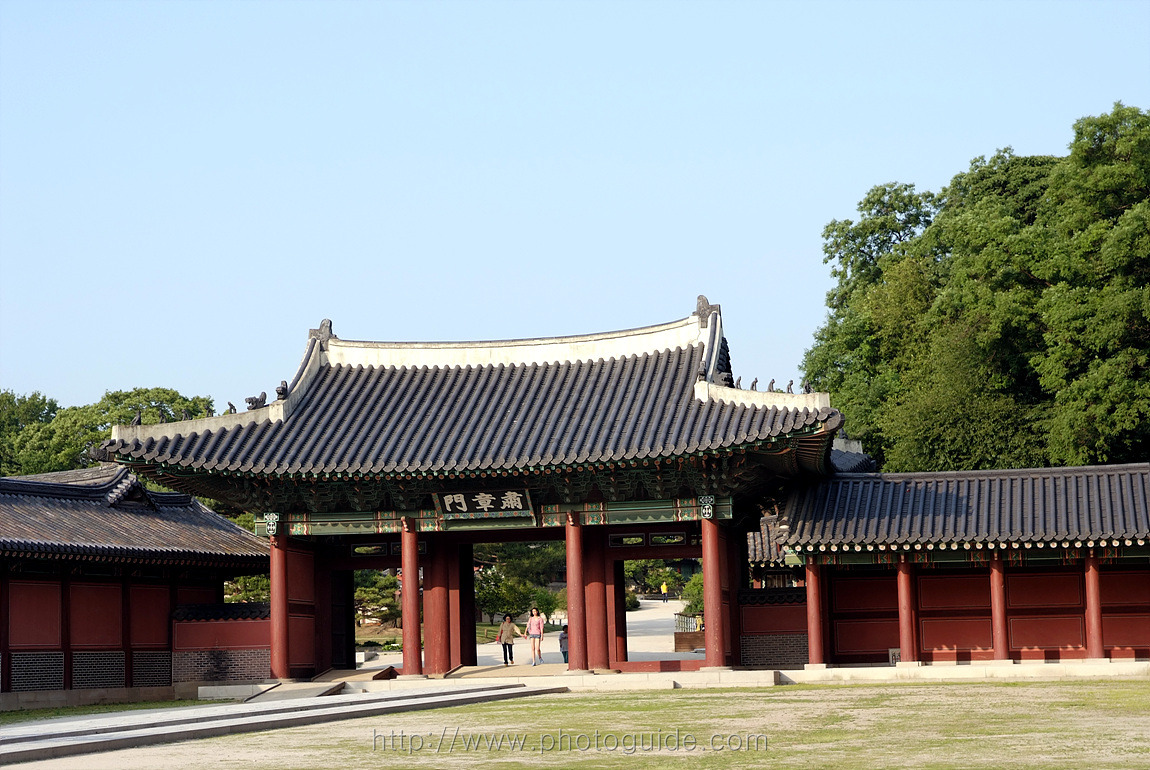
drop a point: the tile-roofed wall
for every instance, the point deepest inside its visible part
(107, 513)
(1017, 506)
(385, 408)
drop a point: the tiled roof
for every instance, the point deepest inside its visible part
(105, 513)
(765, 544)
(226, 611)
(392, 408)
(851, 462)
(1016, 506)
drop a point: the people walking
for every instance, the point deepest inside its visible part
(506, 636)
(563, 643)
(535, 634)
(663, 590)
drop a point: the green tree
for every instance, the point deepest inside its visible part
(17, 414)
(64, 441)
(376, 596)
(497, 594)
(1002, 322)
(660, 575)
(545, 601)
(534, 563)
(248, 588)
(693, 595)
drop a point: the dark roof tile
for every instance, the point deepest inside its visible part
(1020, 505)
(108, 513)
(401, 408)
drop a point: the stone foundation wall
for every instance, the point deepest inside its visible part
(782, 651)
(220, 665)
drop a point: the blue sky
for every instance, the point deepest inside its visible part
(187, 187)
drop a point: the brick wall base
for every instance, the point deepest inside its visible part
(220, 665)
(782, 651)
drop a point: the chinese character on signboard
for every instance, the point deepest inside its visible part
(493, 503)
(455, 503)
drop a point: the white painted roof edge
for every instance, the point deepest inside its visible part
(547, 350)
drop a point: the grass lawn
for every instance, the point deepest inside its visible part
(1095, 724)
(27, 715)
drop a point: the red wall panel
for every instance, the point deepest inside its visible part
(1059, 589)
(870, 593)
(96, 615)
(1125, 588)
(301, 640)
(1047, 633)
(301, 576)
(195, 595)
(937, 592)
(955, 634)
(222, 635)
(34, 614)
(775, 619)
(150, 613)
(1126, 630)
(860, 636)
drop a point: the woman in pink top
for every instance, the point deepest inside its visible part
(535, 634)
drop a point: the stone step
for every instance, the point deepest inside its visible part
(61, 732)
(296, 690)
(360, 706)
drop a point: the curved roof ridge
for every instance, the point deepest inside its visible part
(539, 350)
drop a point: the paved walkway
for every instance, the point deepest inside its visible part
(650, 636)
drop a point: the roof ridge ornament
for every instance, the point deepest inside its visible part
(322, 334)
(704, 308)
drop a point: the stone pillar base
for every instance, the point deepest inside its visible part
(908, 664)
(1093, 661)
(716, 668)
(412, 676)
(1007, 662)
(814, 666)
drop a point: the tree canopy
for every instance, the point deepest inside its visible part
(1005, 321)
(37, 436)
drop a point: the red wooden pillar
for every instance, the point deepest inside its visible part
(435, 613)
(576, 606)
(125, 628)
(454, 606)
(998, 608)
(409, 548)
(713, 594)
(1094, 648)
(5, 622)
(736, 554)
(908, 649)
(66, 628)
(466, 617)
(279, 607)
(618, 590)
(814, 612)
(596, 607)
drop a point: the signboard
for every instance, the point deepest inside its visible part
(486, 504)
